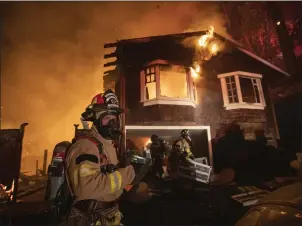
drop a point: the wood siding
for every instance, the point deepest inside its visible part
(210, 110)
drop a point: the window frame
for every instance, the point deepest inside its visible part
(241, 104)
(165, 100)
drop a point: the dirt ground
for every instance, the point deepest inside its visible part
(153, 203)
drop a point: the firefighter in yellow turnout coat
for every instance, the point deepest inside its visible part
(182, 145)
(93, 175)
(181, 151)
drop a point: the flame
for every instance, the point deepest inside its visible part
(214, 48)
(10, 191)
(197, 69)
(194, 74)
(203, 41)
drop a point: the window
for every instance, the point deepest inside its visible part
(150, 83)
(242, 90)
(163, 83)
(176, 89)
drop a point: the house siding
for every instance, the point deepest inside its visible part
(209, 110)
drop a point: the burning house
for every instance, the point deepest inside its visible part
(201, 81)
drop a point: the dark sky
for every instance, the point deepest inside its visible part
(52, 56)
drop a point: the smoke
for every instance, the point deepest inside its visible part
(52, 56)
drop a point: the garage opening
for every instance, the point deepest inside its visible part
(138, 137)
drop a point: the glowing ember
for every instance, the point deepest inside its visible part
(203, 41)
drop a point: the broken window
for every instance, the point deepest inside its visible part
(173, 81)
(150, 83)
(242, 90)
(249, 90)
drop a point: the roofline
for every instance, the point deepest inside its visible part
(263, 61)
(198, 33)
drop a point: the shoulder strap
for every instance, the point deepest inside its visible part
(93, 140)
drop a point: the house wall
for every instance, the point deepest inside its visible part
(210, 110)
(250, 120)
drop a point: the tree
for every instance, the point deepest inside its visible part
(250, 24)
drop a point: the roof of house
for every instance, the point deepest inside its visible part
(192, 34)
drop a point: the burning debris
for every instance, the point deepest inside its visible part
(9, 192)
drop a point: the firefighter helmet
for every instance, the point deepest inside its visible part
(104, 105)
(103, 102)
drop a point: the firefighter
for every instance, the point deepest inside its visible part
(158, 150)
(184, 145)
(180, 152)
(93, 175)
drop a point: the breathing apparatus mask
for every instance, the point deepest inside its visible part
(108, 125)
(105, 113)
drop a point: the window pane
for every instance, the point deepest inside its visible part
(249, 93)
(152, 77)
(152, 70)
(147, 79)
(173, 82)
(232, 91)
(150, 91)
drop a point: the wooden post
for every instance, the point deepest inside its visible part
(45, 162)
(76, 129)
(37, 167)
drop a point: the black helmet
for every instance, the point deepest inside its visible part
(154, 137)
(185, 134)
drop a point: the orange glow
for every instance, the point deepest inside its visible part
(147, 142)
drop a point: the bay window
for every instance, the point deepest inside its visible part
(242, 90)
(164, 83)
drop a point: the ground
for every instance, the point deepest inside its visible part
(165, 205)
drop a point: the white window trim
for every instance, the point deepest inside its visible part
(165, 100)
(241, 104)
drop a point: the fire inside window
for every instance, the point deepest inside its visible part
(150, 83)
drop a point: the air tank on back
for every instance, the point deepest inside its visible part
(56, 174)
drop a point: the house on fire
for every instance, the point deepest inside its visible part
(199, 80)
